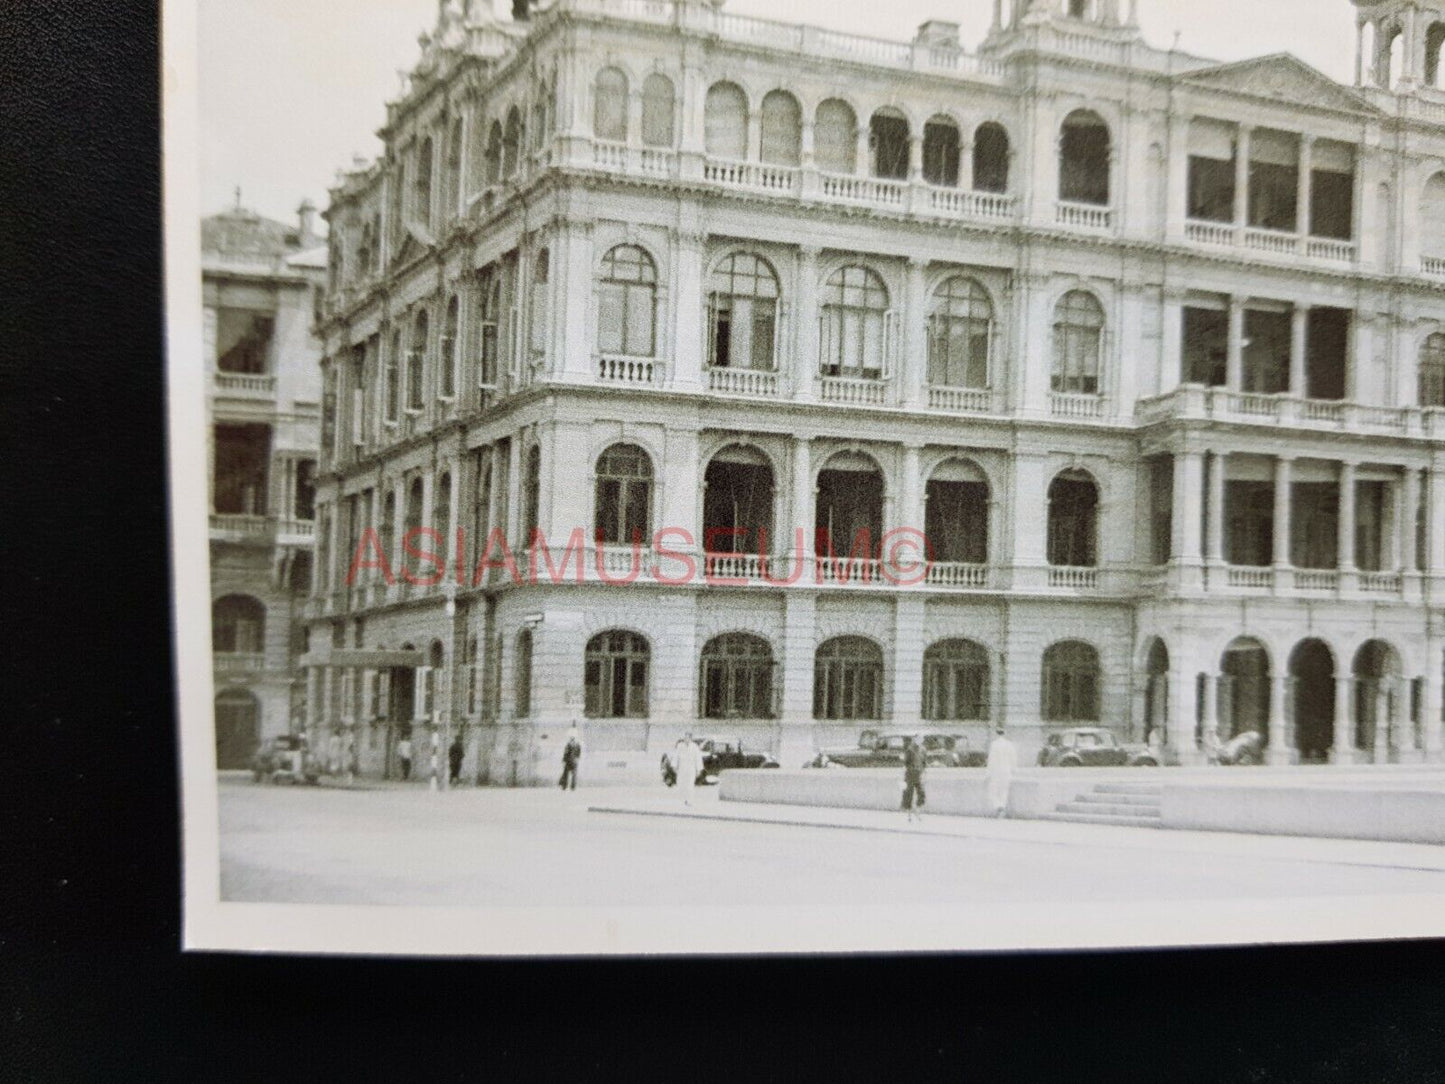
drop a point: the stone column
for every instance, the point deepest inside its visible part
(912, 365)
(910, 489)
(1343, 749)
(795, 744)
(1433, 730)
(1241, 181)
(1177, 172)
(1029, 499)
(1384, 722)
(1186, 520)
(1435, 524)
(1212, 683)
(804, 505)
(1346, 534)
(1278, 750)
(805, 325)
(1304, 191)
(1182, 694)
(687, 360)
(1407, 513)
(1359, 54)
(1234, 363)
(908, 637)
(1283, 484)
(1214, 537)
(1299, 340)
(1171, 372)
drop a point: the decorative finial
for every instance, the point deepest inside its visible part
(238, 197)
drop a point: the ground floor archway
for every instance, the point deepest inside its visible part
(238, 728)
(1312, 699)
(1377, 696)
(1243, 688)
(1156, 692)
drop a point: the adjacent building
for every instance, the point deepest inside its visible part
(1149, 348)
(262, 281)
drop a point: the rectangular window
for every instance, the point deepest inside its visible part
(1211, 189)
(1314, 525)
(1326, 353)
(1205, 346)
(243, 340)
(1161, 507)
(1249, 519)
(1273, 180)
(1266, 351)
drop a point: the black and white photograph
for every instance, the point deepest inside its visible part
(717, 477)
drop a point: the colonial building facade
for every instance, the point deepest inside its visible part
(1149, 349)
(261, 282)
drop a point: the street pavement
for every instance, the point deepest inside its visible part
(638, 846)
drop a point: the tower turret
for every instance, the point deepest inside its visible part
(1398, 44)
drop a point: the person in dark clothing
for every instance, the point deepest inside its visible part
(455, 752)
(571, 754)
(914, 762)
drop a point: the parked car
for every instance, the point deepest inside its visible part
(285, 758)
(1092, 747)
(1246, 747)
(718, 754)
(884, 749)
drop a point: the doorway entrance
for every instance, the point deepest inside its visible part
(1312, 695)
(238, 728)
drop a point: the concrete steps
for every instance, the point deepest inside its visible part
(1136, 804)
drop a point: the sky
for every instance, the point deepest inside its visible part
(290, 90)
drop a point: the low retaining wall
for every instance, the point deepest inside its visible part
(1353, 806)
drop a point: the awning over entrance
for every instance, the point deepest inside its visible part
(363, 659)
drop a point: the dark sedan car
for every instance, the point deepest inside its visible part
(884, 749)
(285, 758)
(718, 754)
(1092, 747)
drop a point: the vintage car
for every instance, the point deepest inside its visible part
(285, 759)
(1246, 747)
(884, 749)
(718, 754)
(1092, 747)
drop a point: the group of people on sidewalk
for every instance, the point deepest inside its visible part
(1003, 758)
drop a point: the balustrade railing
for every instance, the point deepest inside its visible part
(956, 574)
(1209, 233)
(1244, 576)
(854, 392)
(872, 190)
(1075, 405)
(1251, 404)
(1323, 410)
(1380, 583)
(1276, 241)
(1316, 579)
(1076, 579)
(1433, 265)
(751, 175)
(243, 526)
(232, 662)
(960, 400)
(1325, 248)
(618, 369)
(246, 383)
(844, 569)
(961, 203)
(609, 155)
(735, 566)
(1083, 216)
(655, 162)
(742, 382)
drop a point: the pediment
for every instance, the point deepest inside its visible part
(1285, 78)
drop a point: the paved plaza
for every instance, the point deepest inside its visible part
(640, 846)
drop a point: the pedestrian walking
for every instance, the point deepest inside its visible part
(455, 753)
(403, 754)
(915, 760)
(1003, 758)
(571, 755)
(687, 763)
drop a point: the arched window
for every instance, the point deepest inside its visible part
(888, 143)
(454, 167)
(421, 197)
(522, 674)
(624, 495)
(743, 314)
(737, 506)
(782, 134)
(736, 680)
(532, 495)
(627, 303)
(1078, 343)
(1071, 683)
(1432, 371)
(1073, 520)
(609, 106)
(848, 679)
(494, 153)
(416, 363)
(657, 111)
(411, 524)
(955, 519)
(940, 152)
(854, 342)
(848, 511)
(1084, 153)
(955, 681)
(1431, 222)
(960, 326)
(450, 348)
(489, 314)
(238, 626)
(990, 158)
(725, 121)
(388, 528)
(835, 137)
(541, 276)
(512, 142)
(1434, 46)
(442, 516)
(615, 677)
